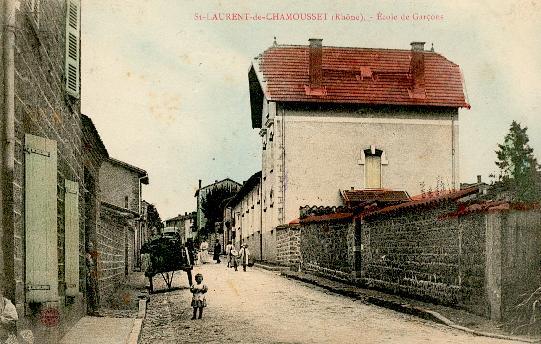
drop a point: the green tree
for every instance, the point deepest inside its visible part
(518, 165)
(212, 207)
(153, 217)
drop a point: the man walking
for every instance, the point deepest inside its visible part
(244, 256)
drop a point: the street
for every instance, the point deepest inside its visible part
(259, 306)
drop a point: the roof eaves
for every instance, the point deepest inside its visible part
(142, 173)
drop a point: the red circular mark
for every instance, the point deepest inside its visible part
(49, 317)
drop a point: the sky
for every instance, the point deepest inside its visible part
(168, 92)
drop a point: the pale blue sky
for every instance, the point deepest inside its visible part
(170, 94)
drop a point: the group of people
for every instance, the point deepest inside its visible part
(234, 257)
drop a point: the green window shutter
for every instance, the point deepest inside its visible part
(41, 219)
(73, 29)
(71, 204)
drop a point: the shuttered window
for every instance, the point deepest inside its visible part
(73, 24)
(71, 204)
(41, 219)
(373, 172)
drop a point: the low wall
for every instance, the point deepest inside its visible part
(288, 246)
(111, 247)
(327, 248)
(425, 254)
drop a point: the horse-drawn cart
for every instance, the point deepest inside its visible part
(165, 255)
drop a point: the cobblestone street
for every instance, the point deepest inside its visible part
(258, 306)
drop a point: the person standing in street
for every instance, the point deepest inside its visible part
(228, 249)
(199, 300)
(234, 254)
(204, 252)
(217, 251)
(244, 256)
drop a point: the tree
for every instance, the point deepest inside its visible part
(518, 165)
(212, 207)
(153, 217)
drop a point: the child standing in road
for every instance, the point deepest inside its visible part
(198, 300)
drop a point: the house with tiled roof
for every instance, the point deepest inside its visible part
(336, 118)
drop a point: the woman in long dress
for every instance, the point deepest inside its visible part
(204, 251)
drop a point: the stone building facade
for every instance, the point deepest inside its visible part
(329, 119)
(42, 173)
(245, 211)
(121, 204)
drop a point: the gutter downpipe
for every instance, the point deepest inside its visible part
(8, 144)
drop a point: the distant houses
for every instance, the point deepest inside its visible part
(201, 193)
(185, 224)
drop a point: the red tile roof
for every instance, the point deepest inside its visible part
(323, 218)
(420, 202)
(358, 76)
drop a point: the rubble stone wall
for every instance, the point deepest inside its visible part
(327, 248)
(111, 252)
(288, 246)
(424, 254)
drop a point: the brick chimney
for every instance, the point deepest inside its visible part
(200, 183)
(417, 70)
(316, 68)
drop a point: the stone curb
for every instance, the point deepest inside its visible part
(135, 333)
(271, 267)
(420, 312)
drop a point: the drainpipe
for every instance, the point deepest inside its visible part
(8, 142)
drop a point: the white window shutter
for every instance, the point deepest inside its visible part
(73, 29)
(71, 246)
(41, 219)
(373, 172)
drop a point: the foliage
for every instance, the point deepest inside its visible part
(153, 217)
(518, 165)
(212, 207)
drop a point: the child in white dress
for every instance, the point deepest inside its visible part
(198, 300)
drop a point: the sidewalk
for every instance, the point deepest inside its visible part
(120, 322)
(452, 317)
(103, 330)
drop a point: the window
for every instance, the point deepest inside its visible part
(372, 172)
(41, 236)
(73, 28)
(373, 159)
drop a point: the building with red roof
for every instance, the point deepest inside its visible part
(336, 118)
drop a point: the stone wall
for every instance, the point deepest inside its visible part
(288, 253)
(42, 108)
(118, 183)
(418, 253)
(111, 249)
(326, 248)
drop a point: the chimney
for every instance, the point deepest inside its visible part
(185, 213)
(479, 179)
(200, 183)
(352, 188)
(417, 46)
(316, 68)
(417, 70)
